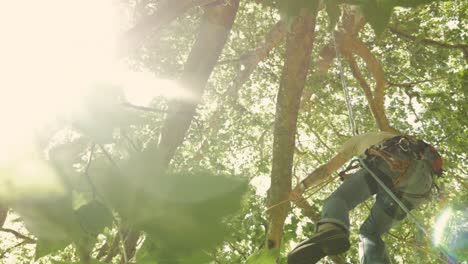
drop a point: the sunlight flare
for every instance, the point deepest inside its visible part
(54, 53)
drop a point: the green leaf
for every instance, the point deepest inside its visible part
(414, 3)
(103, 113)
(193, 207)
(92, 261)
(181, 210)
(50, 219)
(56, 224)
(289, 9)
(186, 211)
(45, 247)
(94, 217)
(199, 257)
(150, 252)
(378, 13)
(263, 257)
(147, 254)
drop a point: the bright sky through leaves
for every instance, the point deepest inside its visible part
(53, 53)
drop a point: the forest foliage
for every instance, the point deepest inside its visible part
(193, 180)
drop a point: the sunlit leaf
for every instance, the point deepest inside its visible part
(148, 253)
(50, 219)
(103, 113)
(378, 13)
(45, 247)
(94, 217)
(193, 206)
(414, 3)
(263, 257)
(289, 9)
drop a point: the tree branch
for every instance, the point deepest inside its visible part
(365, 87)
(167, 12)
(462, 47)
(250, 60)
(3, 214)
(375, 99)
(18, 235)
(431, 42)
(214, 31)
(374, 67)
(411, 84)
(144, 108)
(2, 255)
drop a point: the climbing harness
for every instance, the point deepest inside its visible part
(383, 155)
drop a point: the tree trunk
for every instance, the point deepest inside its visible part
(214, 31)
(3, 214)
(298, 52)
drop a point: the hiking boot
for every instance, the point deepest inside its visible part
(329, 240)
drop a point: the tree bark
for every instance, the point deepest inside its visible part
(3, 214)
(214, 31)
(375, 98)
(298, 53)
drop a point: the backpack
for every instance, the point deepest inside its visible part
(409, 164)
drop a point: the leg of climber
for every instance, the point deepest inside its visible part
(332, 233)
(384, 214)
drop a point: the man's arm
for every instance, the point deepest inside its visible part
(354, 146)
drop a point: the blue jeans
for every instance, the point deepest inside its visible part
(384, 214)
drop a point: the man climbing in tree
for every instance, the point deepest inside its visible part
(405, 165)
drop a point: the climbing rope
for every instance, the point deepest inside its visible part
(349, 106)
(353, 127)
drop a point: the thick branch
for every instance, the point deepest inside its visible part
(350, 26)
(216, 25)
(377, 102)
(323, 172)
(3, 214)
(374, 67)
(167, 12)
(365, 87)
(298, 51)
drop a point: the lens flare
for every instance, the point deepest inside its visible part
(451, 233)
(440, 225)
